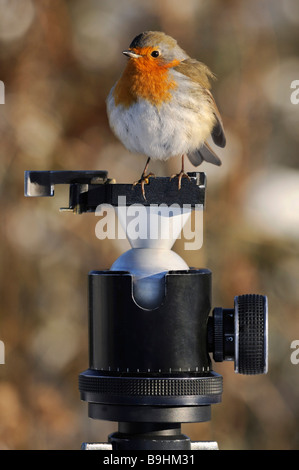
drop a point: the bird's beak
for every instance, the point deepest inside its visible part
(131, 54)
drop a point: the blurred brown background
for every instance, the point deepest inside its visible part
(58, 61)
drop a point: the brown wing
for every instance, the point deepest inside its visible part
(196, 71)
(201, 74)
(218, 134)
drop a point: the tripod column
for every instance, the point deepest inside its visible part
(150, 366)
(169, 339)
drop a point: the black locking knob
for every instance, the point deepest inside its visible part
(241, 334)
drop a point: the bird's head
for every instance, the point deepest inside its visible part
(153, 49)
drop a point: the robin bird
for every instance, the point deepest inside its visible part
(162, 106)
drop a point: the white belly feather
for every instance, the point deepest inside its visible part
(175, 128)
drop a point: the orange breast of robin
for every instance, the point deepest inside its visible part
(145, 78)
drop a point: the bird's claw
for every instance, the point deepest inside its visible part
(180, 175)
(144, 180)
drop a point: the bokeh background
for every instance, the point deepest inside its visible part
(58, 61)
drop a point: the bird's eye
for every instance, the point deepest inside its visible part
(155, 54)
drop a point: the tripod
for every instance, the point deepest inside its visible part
(151, 331)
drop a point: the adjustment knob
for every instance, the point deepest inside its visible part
(241, 334)
(251, 334)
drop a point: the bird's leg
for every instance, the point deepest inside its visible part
(144, 178)
(181, 174)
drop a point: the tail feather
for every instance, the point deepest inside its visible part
(204, 153)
